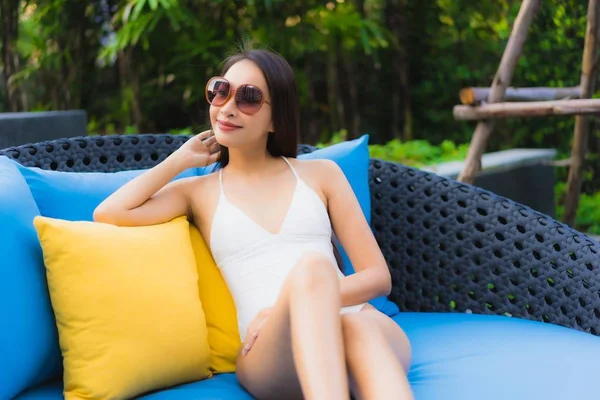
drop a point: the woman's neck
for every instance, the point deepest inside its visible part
(250, 162)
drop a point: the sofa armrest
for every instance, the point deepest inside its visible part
(455, 247)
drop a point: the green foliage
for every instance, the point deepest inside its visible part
(419, 153)
(137, 20)
(182, 131)
(588, 212)
(394, 68)
(415, 153)
(348, 26)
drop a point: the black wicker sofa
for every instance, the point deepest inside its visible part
(451, 247)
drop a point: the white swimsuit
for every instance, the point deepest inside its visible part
(255, 262)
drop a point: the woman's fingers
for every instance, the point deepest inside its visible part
(211, 140)
(211, 143)
(254, 329)
(249, 341)
(254, 332)
(246, 342)
(214, 148)
(204, 135)
(213, 158)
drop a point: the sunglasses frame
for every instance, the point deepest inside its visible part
(232, 94)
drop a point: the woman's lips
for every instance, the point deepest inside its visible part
(227, 127)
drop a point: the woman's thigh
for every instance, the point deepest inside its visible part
(393, 333)
(268, 369)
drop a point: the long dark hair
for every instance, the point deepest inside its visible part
(285, 104)
(285, 108)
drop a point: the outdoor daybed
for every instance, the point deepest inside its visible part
(498, 300)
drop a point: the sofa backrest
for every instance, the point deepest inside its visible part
(451, 247)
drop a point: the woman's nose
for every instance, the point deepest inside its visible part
(230, 107)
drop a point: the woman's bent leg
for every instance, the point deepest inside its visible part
(378, 355)
(299, 352)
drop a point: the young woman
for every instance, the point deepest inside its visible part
(307, 330)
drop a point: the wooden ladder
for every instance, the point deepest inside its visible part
(501, 101)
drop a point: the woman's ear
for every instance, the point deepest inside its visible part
(271, 127)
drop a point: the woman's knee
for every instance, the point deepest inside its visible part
(357, 326)
(366, 327)
(314, 272)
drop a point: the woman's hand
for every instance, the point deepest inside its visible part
(199, 151)
(254, 329)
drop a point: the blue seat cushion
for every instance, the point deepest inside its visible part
(456, 357)
(224, 386)
(473, 357)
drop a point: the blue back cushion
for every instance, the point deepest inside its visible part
(29, 351)
(74, 195)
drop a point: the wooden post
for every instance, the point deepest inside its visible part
(476, 95)
(527, 109)
(588, 77)
(500, 83)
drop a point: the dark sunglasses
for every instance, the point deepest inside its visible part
(248, 98)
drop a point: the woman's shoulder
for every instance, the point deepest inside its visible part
(203, 181)
(322, 167)
(191, 185)
(321, 174)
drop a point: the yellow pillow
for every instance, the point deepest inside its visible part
(219, 308)
(127, 307)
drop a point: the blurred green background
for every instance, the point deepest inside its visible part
(390, 68)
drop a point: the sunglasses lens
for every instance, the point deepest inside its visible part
(249, 99)
(217, 92)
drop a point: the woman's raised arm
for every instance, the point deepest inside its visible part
(152, 198)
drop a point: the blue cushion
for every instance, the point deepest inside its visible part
(456, 357)
(29, 351)
(224, 386)
(46, 391)
(474, 357)
(74, 195)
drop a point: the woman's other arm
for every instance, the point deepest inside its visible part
(372, 278)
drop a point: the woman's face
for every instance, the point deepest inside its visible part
(248, 129)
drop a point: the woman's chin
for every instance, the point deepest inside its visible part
(236, 139)
(226, 140)
(231, 139)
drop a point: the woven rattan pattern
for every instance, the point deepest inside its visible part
(97, 153)
(450, 247)
(453, 246)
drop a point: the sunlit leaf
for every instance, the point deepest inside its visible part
(165, 3)
(365, 41)
(137, 9)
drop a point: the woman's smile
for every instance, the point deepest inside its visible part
(227, 126)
